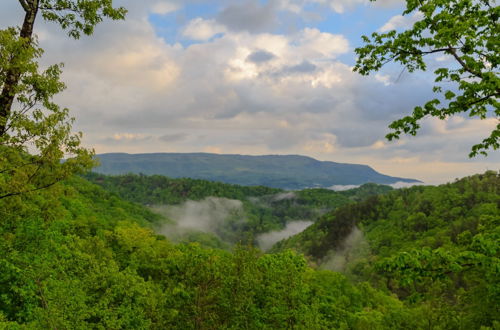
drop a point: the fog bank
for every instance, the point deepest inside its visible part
(205, 215)
(353, 247)
(267, 240)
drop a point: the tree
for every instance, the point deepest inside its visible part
(465, 30)
(35, 133)
(75, 16)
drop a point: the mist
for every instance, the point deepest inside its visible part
(225, 219)
(396, 185)
(267, 240)
(343, 187)
(284, 196)
(400, 184)
(353, 247)
(206, 215)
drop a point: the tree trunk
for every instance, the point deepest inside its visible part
(13, 75)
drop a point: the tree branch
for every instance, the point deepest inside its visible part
(484, 98)
(12, 168)
(31, 190)
(422, 52)
(463, 64)
(25, 5)
(436, 50)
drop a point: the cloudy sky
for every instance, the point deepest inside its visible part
(254, 77)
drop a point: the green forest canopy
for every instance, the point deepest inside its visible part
(78, 256)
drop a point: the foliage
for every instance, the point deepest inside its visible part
(76, 16)
(157, 189)
(435, 247)
(37, 132)
(263, 209)
(77, 257)
(466, 31)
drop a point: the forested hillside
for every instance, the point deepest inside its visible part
(80, 250)
(77, 257)
(279, 171)
(234, 213)
(432, 246)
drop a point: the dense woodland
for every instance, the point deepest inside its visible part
(76, 256)
(88, 253)
(436, 247)
(263, 209)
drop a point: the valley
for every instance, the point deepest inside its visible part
(249, 164)
(136, 251)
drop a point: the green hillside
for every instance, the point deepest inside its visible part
(261, 209)
(286, 172)
(431, 246)
(199, 241)
(77, 257)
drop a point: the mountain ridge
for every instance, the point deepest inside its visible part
(278, 171)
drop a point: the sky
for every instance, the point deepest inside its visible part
(254, 77)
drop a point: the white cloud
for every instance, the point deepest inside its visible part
(290, 6)
(300, 98)
(383, 78)
(379, 145)
(127, 136)
(305, 57)
(444, 58)
(315, 43)
(401, 22)
(141, 64)
(202, 30)
(342, 6)
(164, 7)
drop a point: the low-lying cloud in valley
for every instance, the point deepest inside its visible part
(353, 247)
(396, 185)
(207, 215)
(224, 218)
(267, 240)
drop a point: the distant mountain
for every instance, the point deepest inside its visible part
(277, 171)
